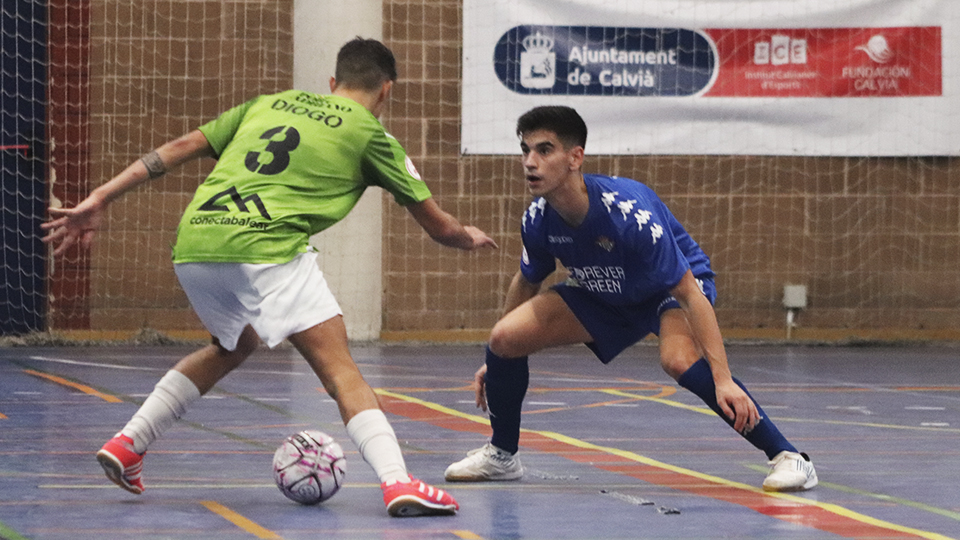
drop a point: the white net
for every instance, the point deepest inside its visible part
(22, 197)
(128, 76)
(876, 240)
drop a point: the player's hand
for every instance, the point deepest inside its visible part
(737, 405)
(479, 387)
(480, 238)
(69, 226)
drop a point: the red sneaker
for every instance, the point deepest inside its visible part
(122, 463)
(417, 499)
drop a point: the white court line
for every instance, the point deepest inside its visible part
(922, 408)
(93, 364)
(859, 409)
(140, 368)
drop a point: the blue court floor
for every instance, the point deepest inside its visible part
(617, 451)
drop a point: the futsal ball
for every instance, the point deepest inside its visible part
(309, 467)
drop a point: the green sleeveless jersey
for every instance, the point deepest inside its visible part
(289, 165)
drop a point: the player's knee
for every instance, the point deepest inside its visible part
(676, 362)
(502, 342)
(245, 347)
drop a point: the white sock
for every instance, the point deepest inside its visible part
(164, 406)
(372, 434)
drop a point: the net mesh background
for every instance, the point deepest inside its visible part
(875, 240)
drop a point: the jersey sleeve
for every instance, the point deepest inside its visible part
(386, 164)
(656, 248)
(536, 261)
(220, 131)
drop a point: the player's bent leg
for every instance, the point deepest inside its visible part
(122, 456)
(543, 321)
(325, 348)
(505, 384)
(681, 359)
(207, 366)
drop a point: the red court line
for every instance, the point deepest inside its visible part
(801, 513)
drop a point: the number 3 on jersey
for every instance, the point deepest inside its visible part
(278, 149)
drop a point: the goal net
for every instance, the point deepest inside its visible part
(873, 237)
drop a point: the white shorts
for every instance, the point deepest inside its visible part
(277, 300)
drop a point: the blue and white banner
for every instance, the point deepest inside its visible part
(755, 77)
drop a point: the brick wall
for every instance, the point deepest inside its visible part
(876, 241)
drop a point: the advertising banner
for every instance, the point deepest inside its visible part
(721, 77)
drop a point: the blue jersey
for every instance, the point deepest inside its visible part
(628, 248)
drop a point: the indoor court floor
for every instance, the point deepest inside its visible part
(617, 451)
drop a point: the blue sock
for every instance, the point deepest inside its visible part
(765, 436)
(506, 383)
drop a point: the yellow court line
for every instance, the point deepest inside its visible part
(240, 521)
(868, 424)
(888, 498)
(3, 416)
(701, 410)
(81, 387)
(833, 508)
(704, 410)
(466, 535)
(836, 509)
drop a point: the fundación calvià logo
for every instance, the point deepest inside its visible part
(877, 49)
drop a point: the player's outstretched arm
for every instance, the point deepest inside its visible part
(734, 402)
(444, 229)
(69, 226)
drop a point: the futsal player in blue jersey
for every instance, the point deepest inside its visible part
(634, 270)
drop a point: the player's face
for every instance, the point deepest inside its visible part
(547, 163)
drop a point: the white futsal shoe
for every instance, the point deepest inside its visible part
(485, 464)
(790, 471)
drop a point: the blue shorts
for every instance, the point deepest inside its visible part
(614, 328)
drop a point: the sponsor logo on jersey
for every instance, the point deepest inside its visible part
(604, 279)
(240, 202)
(411, 168)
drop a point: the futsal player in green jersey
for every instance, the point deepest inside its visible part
(289, 165)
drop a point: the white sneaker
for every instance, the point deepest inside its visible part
(790, 471)
(487, 463)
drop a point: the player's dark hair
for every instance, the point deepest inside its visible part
(365, 64)
(570, 128)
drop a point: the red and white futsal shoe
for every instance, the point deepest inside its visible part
(415, 498)
(123, 465)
